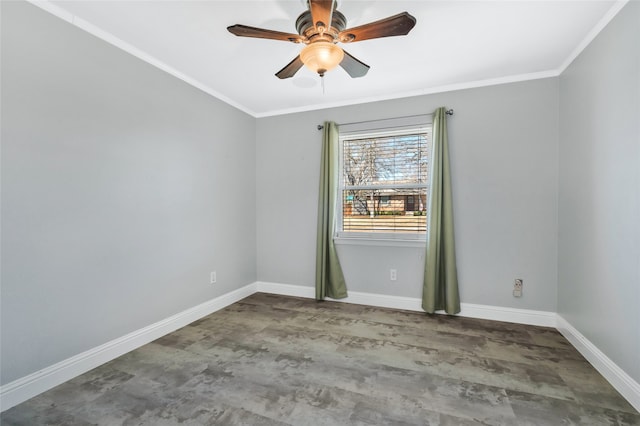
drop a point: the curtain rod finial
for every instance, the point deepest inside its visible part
(320, 127)
(449, 112)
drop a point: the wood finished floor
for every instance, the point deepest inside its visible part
(273, 360)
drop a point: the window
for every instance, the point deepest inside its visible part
(384, 183)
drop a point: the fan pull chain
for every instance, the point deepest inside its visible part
(322, 83)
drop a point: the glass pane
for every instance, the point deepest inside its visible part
(388, 160)
(384, 210)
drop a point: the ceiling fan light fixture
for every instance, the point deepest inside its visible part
(321, 56)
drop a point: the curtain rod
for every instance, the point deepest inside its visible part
(448, 112)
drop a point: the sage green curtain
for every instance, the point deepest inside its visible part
(440, 288)
(329, 278)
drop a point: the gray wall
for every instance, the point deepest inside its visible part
(122, 188)
(599, 191)
(503, 142)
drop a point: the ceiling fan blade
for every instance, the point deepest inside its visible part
(291, 69)
(395, 25)
(321, 11)
(245, 31)
(354, 67)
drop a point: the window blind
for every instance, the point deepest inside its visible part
(384, 182)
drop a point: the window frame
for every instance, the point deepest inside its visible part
(379, 238)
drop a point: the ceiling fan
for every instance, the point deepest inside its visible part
(320, 28)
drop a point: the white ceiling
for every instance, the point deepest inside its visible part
(455, 44)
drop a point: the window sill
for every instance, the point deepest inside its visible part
(382, 242)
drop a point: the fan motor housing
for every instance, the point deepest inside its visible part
(307, 29)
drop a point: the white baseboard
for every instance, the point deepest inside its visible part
(495, 313)
(286, 289)
(621, 381)
(29, 386)
(515, 315)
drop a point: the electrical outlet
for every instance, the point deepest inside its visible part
(517, 287)
(393, 274)
(213, 277)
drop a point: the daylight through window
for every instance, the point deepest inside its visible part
(384, 183)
